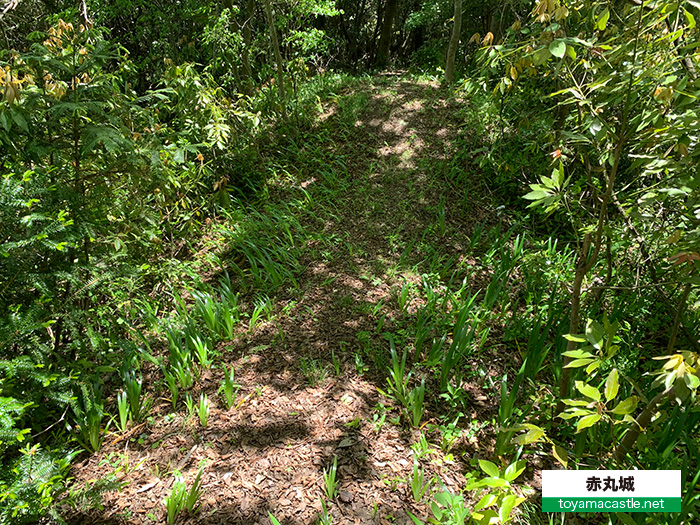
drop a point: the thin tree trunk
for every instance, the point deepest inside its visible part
(278, 59)
(642, 422)
(387, 33)
(247, 39)
(454, 43)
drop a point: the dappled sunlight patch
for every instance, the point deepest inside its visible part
(308, 182)
(327, 114)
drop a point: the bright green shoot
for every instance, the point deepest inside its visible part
(181, 499)
(418, 487)
(174, 502)
(416, 406)
(195, 492)
(123, 407)
(133, 386)
(229, 387)
(172, 382)
(201, 347)
(203, 411)
(329, 479)
(398, 378)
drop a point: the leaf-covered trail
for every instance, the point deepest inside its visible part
(375, 213)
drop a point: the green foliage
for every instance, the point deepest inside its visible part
(32, 483)
(181, 499)
(418, 486)
(448, 509)
(398, 377)
(229, 387)
(330, 484)
(498, 485)
(123, 408)
(88, 411)
(203, 411)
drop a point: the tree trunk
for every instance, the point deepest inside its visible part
(387, 32)
(454, 43)
(247, 38)
(495, 25)
(642, 422)
(278, 59)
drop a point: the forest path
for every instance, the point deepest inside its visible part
(372, 214)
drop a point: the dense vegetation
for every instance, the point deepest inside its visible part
(152, 213)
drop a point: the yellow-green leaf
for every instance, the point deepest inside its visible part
(557, 48)
(575, 402)
(486, 501)
(595, 333)
(588, 390)
(593, 366)
(489, 468)
(577, 363)
(626, 406)
(506, 507)
(602, 21)
(536, 195)
(561, 455)
(577, 354)
(612, 385)
(514, 470)
(587, 421)
(692, 381)
(531, 436)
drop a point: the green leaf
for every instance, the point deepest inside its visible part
(595, 333)
(690, 18)
(273, 519)
(558, 48)
(625, 518)
(541, 55)
(602, 20)
(536, 195)
(577, 363)
(572, 413)
(577, 354)
(626, 406)
(575, 402)
(4, 122)
(588, 391)
(691, 381)
(514, 470)
(531, 436)
(19, 120)
(489, 468)
(485, 518)
(577, 338)
(593, 366)
(486, 501)
(561, 455)
(443, 498)
(612, 385)
(494, 482)
(506, 507)
(587, 421)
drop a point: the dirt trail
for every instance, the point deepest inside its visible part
(296, 414)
